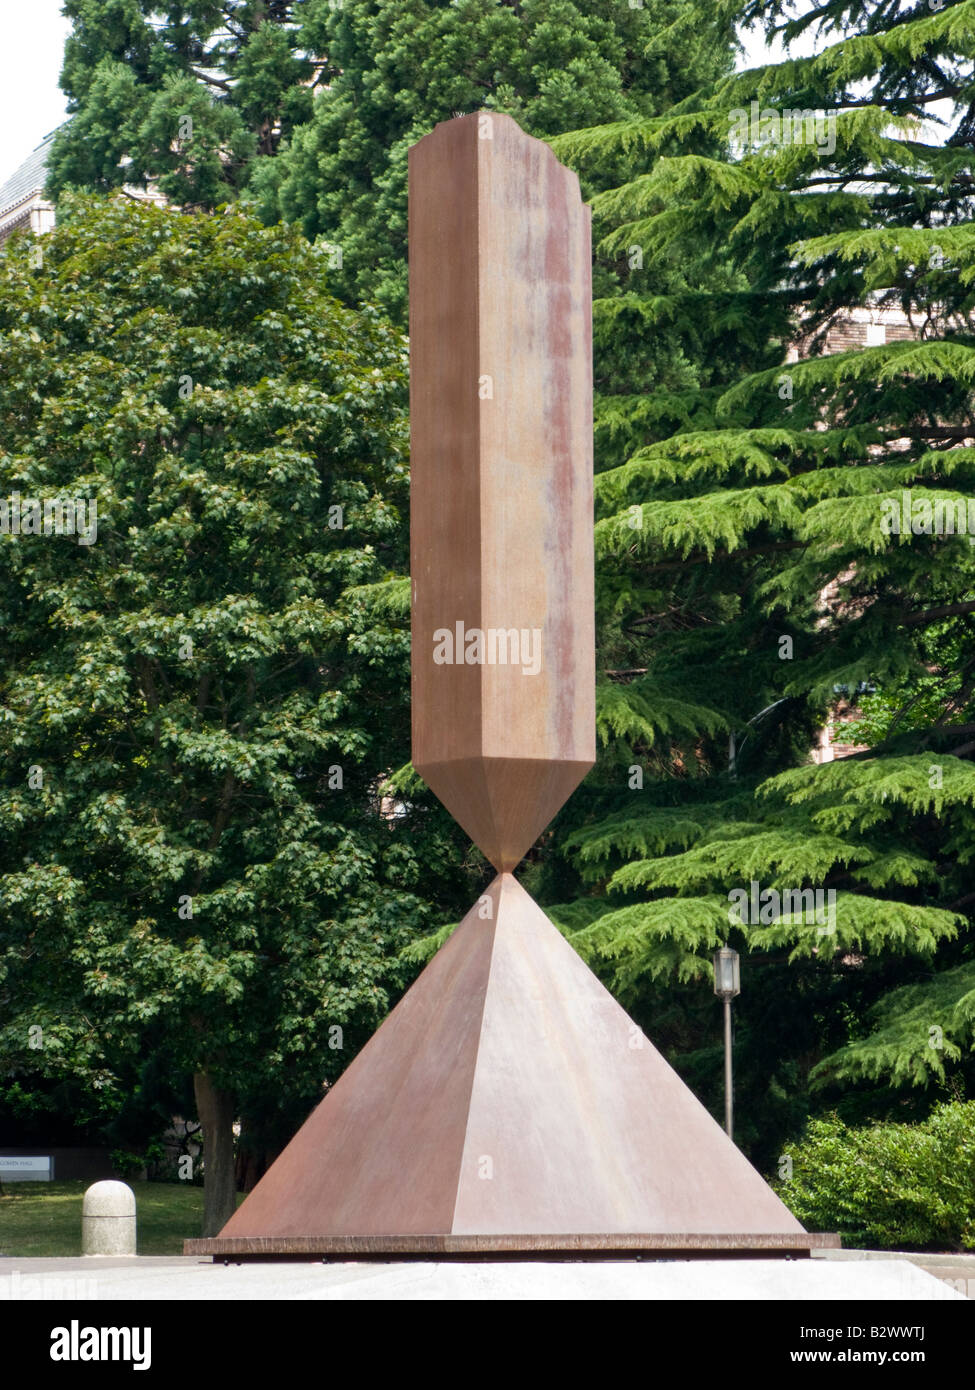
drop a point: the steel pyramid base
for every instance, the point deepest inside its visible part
(509, 1107)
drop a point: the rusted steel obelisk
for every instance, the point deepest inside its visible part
(507, 1104)
(504, 718)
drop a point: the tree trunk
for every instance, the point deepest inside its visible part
(215, 1111)
(252, 1163)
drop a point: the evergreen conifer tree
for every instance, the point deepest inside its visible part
(309, 107)
(749, 572)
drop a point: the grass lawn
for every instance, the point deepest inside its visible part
(44, 1218)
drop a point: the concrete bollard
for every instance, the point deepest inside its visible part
(108, 1220)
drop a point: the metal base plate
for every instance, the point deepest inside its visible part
(616, 1246)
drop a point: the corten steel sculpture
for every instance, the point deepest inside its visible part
(507, 1104)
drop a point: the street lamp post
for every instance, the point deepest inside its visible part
(727, 984)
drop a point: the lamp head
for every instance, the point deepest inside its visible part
(727, 979)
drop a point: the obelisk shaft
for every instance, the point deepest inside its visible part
(501, 511)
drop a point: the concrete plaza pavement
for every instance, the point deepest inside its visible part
(846, 1275)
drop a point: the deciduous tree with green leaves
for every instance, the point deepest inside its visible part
(198, 709)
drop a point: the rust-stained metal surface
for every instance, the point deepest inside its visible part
(501, 469)
(508, 1092)
(508, 1105)
(571, 1247)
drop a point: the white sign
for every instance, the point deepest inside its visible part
(17, 1168)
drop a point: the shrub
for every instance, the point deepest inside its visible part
(892, 1186)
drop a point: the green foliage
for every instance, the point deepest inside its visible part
(913, 1031)
(309, 108)
(188, 98)
(404, 66)
(750, 588)
(197, 709)
(887, 1186)
(127, 1165)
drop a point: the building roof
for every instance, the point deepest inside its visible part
(28, 179)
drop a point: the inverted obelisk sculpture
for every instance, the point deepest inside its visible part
(508, 1104)
(504, 718)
